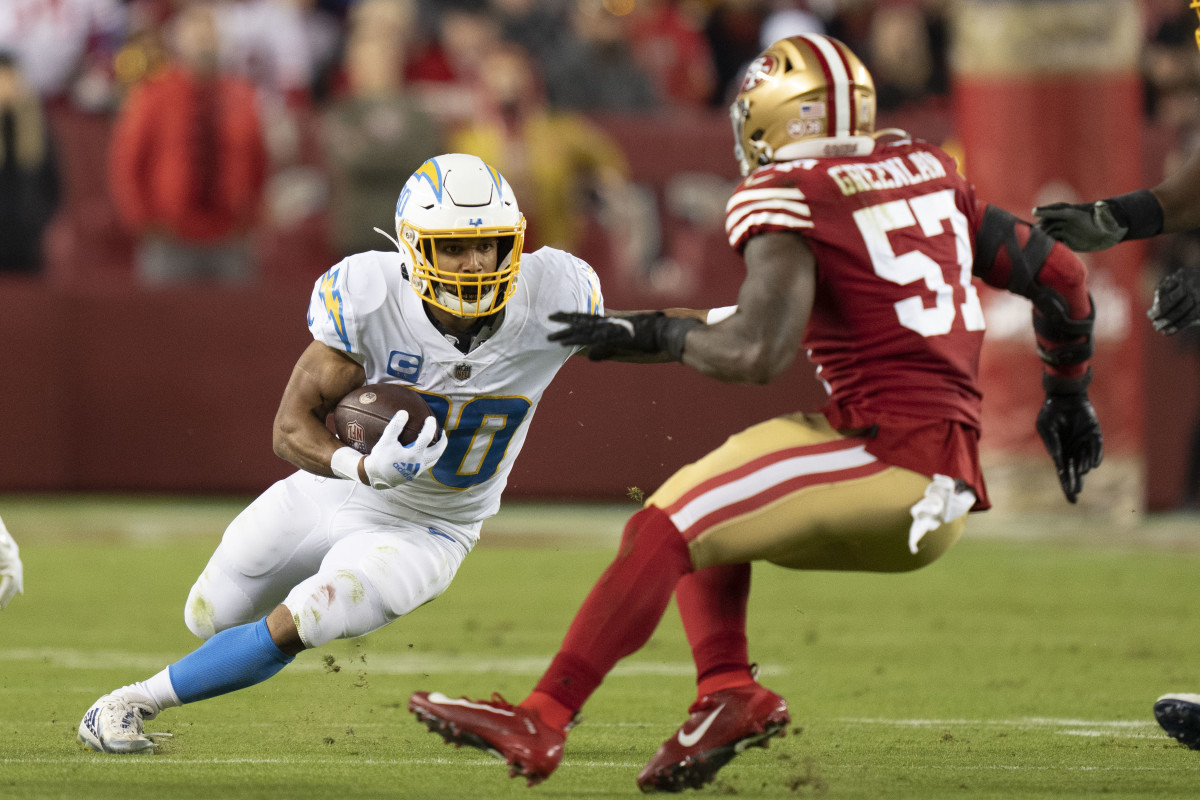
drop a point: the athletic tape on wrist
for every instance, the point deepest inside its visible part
(344, 463)
(715, 315)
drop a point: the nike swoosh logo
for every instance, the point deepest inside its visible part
(443, 700)
(689, 739)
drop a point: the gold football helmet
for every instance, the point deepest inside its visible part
(806, 96)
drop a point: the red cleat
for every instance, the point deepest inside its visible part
(721, 725)
(530, 747)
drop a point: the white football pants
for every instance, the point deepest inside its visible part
(335, 553)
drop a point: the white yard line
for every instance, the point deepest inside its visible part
(375, 664)
(1115, 729)
(1018, 722)
(158, 760)
(148, 761)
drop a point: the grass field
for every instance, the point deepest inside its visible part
(1019, 666)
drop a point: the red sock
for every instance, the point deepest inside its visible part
(550, 710)
(712, 604)
(724, 680)
(620, 613)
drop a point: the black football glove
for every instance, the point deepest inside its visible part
(606, 337)
(1068, 426)
(1083, 227)
(1086, 227)
(1176, 301)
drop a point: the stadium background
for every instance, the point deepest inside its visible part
(114, 387)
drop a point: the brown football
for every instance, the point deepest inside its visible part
(361, 416)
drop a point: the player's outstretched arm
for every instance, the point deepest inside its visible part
(12, 571)
(1179, 197)
(322, 376)
(1172, 206)
(1177, 296)
(634, 337)
(761, 338)
(753, 344)
(1086, 227)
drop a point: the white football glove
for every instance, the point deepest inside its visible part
(11, 569)
(390, 464)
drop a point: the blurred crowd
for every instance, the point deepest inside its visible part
(231, 116)
(228, 116)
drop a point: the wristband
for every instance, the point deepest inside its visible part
(672, 331)
(1139, 212)
(344, 463)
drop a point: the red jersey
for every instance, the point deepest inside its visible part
(896, 327)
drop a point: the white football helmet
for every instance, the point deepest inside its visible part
(458, 196)
(806, 96)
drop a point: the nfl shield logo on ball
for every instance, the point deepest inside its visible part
(357, 435)
(462, 372)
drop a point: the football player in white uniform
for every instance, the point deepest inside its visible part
(349, 543)
(11, 569)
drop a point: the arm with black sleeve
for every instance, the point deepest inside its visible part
(1011, 254)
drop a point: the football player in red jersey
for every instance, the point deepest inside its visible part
(860, 247)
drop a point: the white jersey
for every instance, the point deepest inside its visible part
(485, 399)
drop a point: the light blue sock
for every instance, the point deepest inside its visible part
(231, 660)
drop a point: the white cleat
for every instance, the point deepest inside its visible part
(114, 724)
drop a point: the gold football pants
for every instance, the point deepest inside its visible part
(795, 492)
